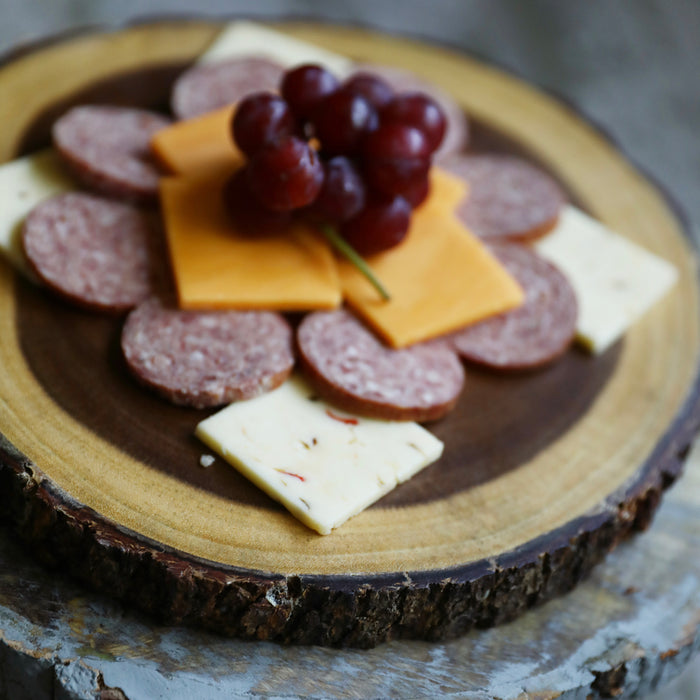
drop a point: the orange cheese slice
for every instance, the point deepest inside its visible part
(446, 192)
(199, 145)
(217, 267)
(440, 278)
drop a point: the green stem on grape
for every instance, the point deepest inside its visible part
(348, 252)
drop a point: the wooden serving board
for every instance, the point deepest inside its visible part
(542, 473)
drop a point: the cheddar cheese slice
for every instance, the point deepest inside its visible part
(440, 278)
(216, 266)
(199, 145)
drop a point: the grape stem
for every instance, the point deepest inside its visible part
(349, 253)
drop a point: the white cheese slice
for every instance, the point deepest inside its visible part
(322, 464)
(615, 280)
(248, 38)
(23, 184)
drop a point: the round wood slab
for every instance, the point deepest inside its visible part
(542, 473)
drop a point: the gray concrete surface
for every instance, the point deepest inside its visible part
(632, 67)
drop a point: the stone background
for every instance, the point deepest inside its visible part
(632, 67)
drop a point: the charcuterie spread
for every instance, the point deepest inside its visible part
(441, 267)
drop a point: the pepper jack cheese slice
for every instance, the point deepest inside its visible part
(199, 145)
(217, 267)
(323, 465)
(615, 280)
(23, 184)
(240, 38)
(440, 278)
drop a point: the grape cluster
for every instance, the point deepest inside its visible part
(353, 155)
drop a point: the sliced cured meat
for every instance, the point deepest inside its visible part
(93, 251)
(457, 134)
(209, 86)
(350, 367)
(207, 358)
(532, 335)
(107, 149)
(509, 199)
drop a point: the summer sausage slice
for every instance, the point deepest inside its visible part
(534, 334)
(350, 367)
(209, 86)
(108, 151)
(207, 358)
(457, 133)
(95, 252)
(509, 199)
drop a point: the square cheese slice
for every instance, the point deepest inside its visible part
(322, 464)
(615, 280)
(440, 278)
(215, 266)
(240, 38)
(23, 184)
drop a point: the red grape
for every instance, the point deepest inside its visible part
(396, 141)
(343, 192)
(260, 119)
(286, 174)
(398, 176)
(396, 156)
(375, 90)
(341, 121)
(381, 225)
(247, 212)
(420, 111)
(417, 191)
(305, 87)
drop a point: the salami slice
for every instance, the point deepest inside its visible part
(207, 358)
(209, 86)
(107, 149)
(95, 252)
(532, 335)
(509, 199)
(457, 134)
(351, 368)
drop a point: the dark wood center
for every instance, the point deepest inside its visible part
(501, 420)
